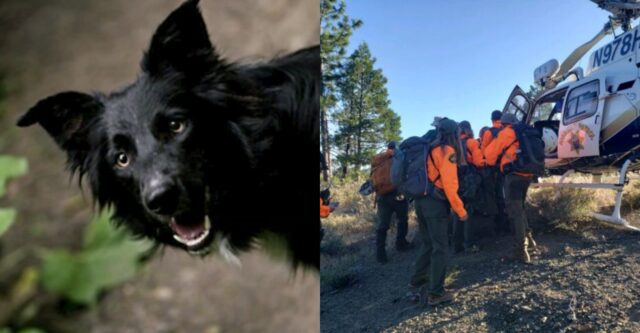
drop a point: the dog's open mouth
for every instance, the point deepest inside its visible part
(193, 236)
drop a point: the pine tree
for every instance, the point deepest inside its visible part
(336, 29)
(364, 118)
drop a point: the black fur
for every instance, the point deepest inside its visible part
(240, 156)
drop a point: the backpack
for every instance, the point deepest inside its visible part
(530, 155)
(469, 178)
(494, 131)
(409, 166)
(494, 134)
(381, 173)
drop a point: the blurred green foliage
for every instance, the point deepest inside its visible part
(24, 330)
(10, 167)
(108, 257)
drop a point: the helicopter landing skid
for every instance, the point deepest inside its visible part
(615, 218)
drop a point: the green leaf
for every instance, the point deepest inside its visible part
(7, 215)
(10, 167)
(109, 258)
(80, 277)
(101, 232)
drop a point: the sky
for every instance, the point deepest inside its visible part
(462, 58)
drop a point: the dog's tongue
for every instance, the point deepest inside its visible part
(187, 231)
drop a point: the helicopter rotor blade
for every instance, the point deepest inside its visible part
(573, 58)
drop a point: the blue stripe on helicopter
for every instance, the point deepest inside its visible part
(623, 141)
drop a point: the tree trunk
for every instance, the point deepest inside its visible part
(345, 165)
(326, 147)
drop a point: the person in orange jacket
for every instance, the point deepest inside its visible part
(493, 180)
(387, 204)
(493, 131)
(433, 214)
(325, 210)
(474, 153)
(326, 206)
(463, 231)
(516, 184)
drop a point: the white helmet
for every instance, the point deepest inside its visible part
(550, 139)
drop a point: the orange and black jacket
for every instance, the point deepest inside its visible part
(487, 136)
(474, 154)
(443, 172)
(505, 147)
(325, 210)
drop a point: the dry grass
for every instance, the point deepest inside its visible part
(339, 272)
(350, 222)
(572, 208)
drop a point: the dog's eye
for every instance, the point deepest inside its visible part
(176, 126)
(122, 160)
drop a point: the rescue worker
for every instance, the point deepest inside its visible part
(516, 184)
(433, 216)
(326, 206)
(496, 126)
(463, 231)
(493, 181)
(387, 204)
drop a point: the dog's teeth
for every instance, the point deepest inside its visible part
(179, 239)
(207, 222)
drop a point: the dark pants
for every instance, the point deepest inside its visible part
(515, 193)
(487, 199)
(431, 265)
(493, 200)
(463, 231)
(387, 205)
(501, 220)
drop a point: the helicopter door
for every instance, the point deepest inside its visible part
(518, 104)
(579, 133)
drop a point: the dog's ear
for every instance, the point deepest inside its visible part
(66, 117)
(181, 43)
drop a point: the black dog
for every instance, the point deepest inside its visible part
(197, 150)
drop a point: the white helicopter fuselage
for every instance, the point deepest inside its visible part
(590, 122)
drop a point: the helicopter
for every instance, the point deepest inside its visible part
(590, 119)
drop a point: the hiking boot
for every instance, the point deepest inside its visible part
(403, 246)
(415, 293)
(446, 297)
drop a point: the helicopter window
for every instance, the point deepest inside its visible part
(582, 102)
(549, 107)
(518, 106)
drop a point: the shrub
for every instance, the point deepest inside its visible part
(566, 210)
(339, 272)
(332, 243)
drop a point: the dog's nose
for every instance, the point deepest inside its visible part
(162, 199)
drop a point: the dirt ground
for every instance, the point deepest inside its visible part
(581, 281)
(52, 46)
